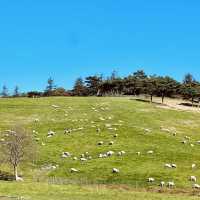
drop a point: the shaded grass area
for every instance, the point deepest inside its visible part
(41, 191)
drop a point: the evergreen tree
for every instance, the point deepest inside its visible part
(166, 86)
(4, 91)
(16, 92)
(50, 87)
(79, 88)
(93, 84)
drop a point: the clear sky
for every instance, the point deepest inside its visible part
(66, 39)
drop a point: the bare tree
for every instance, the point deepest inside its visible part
(16, 147)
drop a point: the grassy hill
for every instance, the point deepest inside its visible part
(141, 127)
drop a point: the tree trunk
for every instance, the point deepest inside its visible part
(151, 98)
(192, 101)
(15, 173)
(163, 96)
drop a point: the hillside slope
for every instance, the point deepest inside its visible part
(140, 127)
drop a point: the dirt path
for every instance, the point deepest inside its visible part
(172, 103)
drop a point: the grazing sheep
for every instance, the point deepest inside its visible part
(138, 153)
(73, 170)
(36, 120)
(82, 155)
(51, 133)
(147, 130)
(151, 180)
(67, 131)
(162, 184)
(121, 153)
(115, 170)
(150, 152)
(193, 178)
(102, 119)
(100, 143)
(165, 129)
(110, 153)
(193, 166)
(168, 165)
(196, 186)
(187, 138)
(111, 143)
(192, 145)
(174, 166)
(102, 155)
(75, 158)
(184, 142)
(55, 106)
(170, 184)
(98, 130)
(174, 134)
(66, 154)
(116, 135)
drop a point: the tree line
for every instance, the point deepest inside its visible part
(138, 83)
(135, 84)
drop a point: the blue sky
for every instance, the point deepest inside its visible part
(66, 39)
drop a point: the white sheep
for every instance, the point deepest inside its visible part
(103, 155)
(196, 186)
(51, 133)
(193, 178)
(111, 143)
(168, 165)
(73, 170)
(174, 166)
(115, 170)
(66, 154)
(121, 153)
(110, 153)
(170, 184)
(187, 138)
(151, 180)
(100, 143)
(193, 166)
(55, 106)
(83, 159)
(98, 130)
(150, 152)
(36, 120)
(162, 184)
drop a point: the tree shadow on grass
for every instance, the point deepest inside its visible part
(5, 176)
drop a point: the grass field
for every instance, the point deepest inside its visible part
(138, 126)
